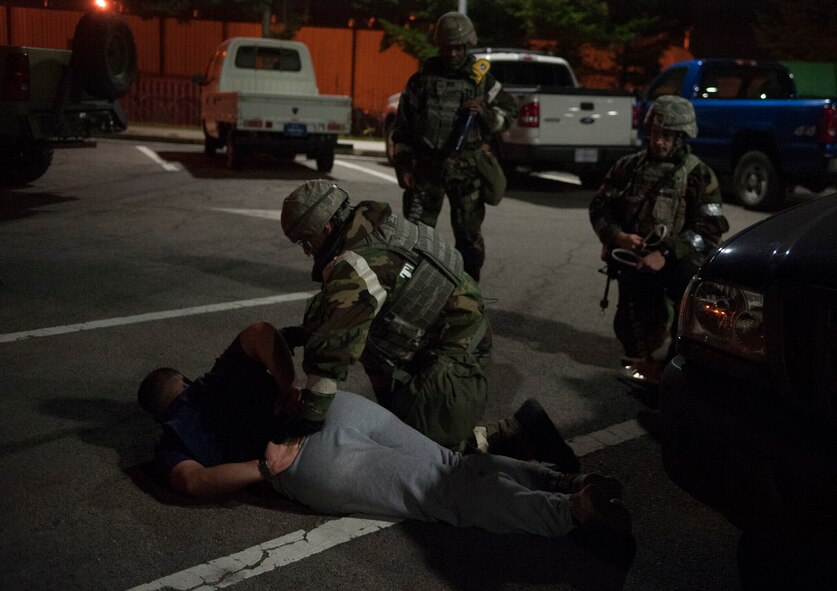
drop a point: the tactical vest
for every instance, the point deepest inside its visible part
(434, 269)
(659, 190)
(440, 99)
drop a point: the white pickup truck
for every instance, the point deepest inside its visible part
(560, 126)
(261, 94)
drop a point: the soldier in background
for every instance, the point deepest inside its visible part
(437, 151)
(395, 297)
(657, 213)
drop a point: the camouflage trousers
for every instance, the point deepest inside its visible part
(442, 393)
(456, 176)
(646, 300)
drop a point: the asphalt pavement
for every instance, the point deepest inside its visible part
(194, 135)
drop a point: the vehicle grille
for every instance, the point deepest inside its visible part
(809, 342)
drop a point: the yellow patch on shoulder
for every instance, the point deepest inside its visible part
(480, 69)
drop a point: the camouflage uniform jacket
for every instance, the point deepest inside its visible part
(682, 193)
(428, 108)
(356, 283)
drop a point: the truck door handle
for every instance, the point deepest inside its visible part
(587, 106)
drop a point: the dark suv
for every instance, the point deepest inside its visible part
(749, 406)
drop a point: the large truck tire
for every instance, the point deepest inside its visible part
(22, 165)
(755, 182)
(590, 180)
(234, 155)
(325, 159)
(210, 144)
(104, 55)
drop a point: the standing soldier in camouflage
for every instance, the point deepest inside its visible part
(437, 152)
(658, 213)
(394, 296)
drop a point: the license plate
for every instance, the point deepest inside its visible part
(586, 155)
(296, 129)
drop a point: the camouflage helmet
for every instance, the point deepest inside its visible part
(454, 28)
(307, 210)
(673, 113)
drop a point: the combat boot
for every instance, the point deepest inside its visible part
(646, 372)
(531, 435)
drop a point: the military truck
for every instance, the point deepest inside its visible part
(56, 98)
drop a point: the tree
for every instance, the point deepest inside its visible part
(634, 30)
(292, 15)
(802, 30)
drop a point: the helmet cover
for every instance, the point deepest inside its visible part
(307, 210)
(673, 113)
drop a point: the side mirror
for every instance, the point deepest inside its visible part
(199, 80)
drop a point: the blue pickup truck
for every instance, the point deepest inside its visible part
(754, 130)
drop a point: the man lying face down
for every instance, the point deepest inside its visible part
(218, 437)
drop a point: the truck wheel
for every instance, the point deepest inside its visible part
(19, 166)
(755, 182)
(325, 159)
(234, 155)
(104, 57)
(590, 180)
(210, 144)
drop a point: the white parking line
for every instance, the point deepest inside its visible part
(381, 175)
(170, 166)
(299, 545)
(152, 316)
(558, 176)
(267, 214)
(607, 437)
(257, 560)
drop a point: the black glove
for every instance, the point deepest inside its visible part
(286, 426)
(294, 336)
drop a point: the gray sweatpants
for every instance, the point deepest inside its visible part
(365, 460)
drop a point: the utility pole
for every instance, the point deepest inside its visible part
(463, 6)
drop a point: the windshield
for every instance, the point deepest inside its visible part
(531, 74)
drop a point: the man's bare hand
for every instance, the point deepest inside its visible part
(278, 456)
(653, 261)
(627, 241)
(474, 104)
(408, 180)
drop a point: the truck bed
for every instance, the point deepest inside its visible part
(292, 114)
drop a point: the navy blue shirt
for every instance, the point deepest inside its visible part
(225, 416)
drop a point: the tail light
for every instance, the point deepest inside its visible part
(530, 115)
(827, 129)
(16, 77)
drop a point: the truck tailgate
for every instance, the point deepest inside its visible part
(577, 117)
(271, 112)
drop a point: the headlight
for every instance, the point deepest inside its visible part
(724, 317)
